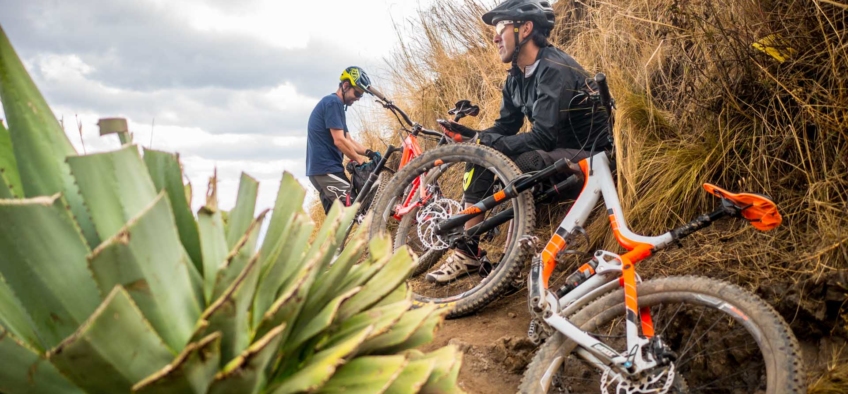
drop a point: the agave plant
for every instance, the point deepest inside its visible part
(109, 283)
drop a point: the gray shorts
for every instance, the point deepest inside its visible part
(332, 187)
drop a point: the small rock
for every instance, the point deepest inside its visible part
(511, 315)
(462, 346)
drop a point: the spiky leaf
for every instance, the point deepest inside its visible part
(40, 144)
(10, 180)
(116, 187)
(383, 282)
(58, 297)
(15, 319)
(24, 371)
(213, 243)
(192, 372)
(146, 259)
(366, 375)
(113, 350)
(238, 258)
(246, 373)
(400, 332)
(413, 377)
(165, 171)
(318, 370)
(241, 216)
(229, 313)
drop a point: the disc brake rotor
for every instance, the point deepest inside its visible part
(429, 218)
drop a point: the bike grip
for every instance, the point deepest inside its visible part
(377, 93)
(603, 89)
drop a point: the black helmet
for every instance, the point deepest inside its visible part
(539, 12)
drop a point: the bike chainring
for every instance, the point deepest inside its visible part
(428, 218)
(658, 382)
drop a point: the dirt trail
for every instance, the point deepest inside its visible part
(494, 343)
(496, 349)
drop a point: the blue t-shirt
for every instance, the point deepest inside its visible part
(322, 155)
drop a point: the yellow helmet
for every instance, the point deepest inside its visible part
(357, 78)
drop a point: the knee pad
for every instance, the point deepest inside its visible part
(530, 161)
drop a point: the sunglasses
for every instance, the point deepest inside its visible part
(358, 93)
(501, 26)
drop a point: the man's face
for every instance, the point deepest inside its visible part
(504, 38)
(352, 95)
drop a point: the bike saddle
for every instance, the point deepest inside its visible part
(464, 108)
(758, 209)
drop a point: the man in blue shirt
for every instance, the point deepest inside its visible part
(328, 140)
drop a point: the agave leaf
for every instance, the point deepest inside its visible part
(289, 202)
(229, 314)
(24, 371)
(382, 318)
(380, 251)
(397, 295)
(318, 370)
(290, 302)
(332, 280)
(213, 243)
(326, 236)
(280, 276)
(448, 361)
(165, 171)
(329, 282)
(147, 259)
(238, 258)
(40, 144)
(366, 375)
(383, 283)
(50, 279)
(15, 319)
(192, 371)
(10, 179)
(115, 185)
(400, 332)
(346, 218)
(241, 216)
(423, 335)
(311, 323)
(413, 377)
(112, 350)
(246, 373)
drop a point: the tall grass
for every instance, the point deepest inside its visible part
(697, 102)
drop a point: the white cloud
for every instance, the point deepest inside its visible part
(228, 85)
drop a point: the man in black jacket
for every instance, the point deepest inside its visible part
(543, 86)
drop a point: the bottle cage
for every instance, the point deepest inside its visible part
(757, 209)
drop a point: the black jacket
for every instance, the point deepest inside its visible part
(545, 98)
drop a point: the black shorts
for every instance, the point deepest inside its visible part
(332, 187)
(478, 182)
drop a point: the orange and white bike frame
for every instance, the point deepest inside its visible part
(612, 271)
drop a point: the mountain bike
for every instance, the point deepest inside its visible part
(410, 149)
(606, 327)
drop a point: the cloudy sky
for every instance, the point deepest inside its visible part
(229, 85)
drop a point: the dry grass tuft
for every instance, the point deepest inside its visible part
(697, 102)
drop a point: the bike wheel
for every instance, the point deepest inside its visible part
(376, 189)
(442, 169)
(727, 340)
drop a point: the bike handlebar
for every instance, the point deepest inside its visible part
(603, 88)
(378, 94)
